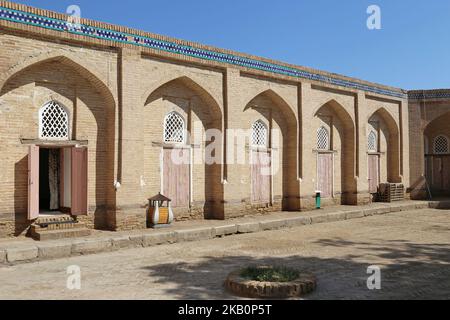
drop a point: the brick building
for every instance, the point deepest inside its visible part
(91, 115)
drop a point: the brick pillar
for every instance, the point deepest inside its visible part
(405, 145)
(361, 159)
(308, 157)
(236, 191)
(130, 198)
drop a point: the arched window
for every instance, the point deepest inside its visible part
(372, 143)
(441, 145)
(323, 139)
(174, 128)
(53, 122)
(259, 134)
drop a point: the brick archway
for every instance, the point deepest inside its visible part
(270, 108)
(203, 115)
(389, 145)
(437, 160)
(333, 116)
(88, 72)
(52, 76)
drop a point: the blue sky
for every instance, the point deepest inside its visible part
(411, 50)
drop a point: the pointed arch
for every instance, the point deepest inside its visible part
(94, 104)
(274, 109)
(189, 83)
(340, 111)
(387, 118)
(279, 101)
(443, 111)
(339, 121)
(184, 98)
(390, 130)
(67, 59)
(443, 117)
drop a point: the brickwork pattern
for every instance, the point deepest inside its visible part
(117, 95)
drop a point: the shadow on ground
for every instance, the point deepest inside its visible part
(409, 271)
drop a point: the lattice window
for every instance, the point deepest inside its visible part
(174, 128)
(372, 143)
(53, 122)
(441, 145)
(259, 134)
(323, 139)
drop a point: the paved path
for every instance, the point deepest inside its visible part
(25, 250)
(412, 248)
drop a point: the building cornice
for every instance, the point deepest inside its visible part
(436, 94)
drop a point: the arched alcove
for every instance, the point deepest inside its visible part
(202, 195)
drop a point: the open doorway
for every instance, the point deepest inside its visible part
(49, 181)
(57, 181)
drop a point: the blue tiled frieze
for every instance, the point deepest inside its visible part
(172, 47)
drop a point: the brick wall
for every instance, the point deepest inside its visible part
(119, 95)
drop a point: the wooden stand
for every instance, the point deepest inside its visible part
(391, 192)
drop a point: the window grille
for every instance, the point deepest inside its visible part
(259, 134)
(441, 145)
(53, 122)
(323, 139)
(174, 128)
(372, 144)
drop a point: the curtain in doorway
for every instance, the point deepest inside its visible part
(53, 177)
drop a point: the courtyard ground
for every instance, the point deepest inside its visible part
(412, 249)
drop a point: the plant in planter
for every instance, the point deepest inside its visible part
(270, 274)
(270, 282)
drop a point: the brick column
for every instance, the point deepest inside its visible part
(308, 159)
(234, 191)
(361, 159)
(404, 145)
(130, 198)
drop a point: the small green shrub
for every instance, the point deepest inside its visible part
(270, 274)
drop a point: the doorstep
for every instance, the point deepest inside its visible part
(26, 250)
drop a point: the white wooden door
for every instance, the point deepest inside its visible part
(261, 177)
(176, 173)
(325, 174)
(374, 173)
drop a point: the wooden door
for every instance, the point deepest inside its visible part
(261, 177)
(33, 182)
(61, 179)
(325, 174)
(176, 173)
(79, 181)
(446, 174)
(428, 169)
(437, 170)
(374, 173)
(440, 173)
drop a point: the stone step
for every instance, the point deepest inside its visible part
(59, 234)
(62, 226)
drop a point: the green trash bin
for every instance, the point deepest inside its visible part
(318, 200)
